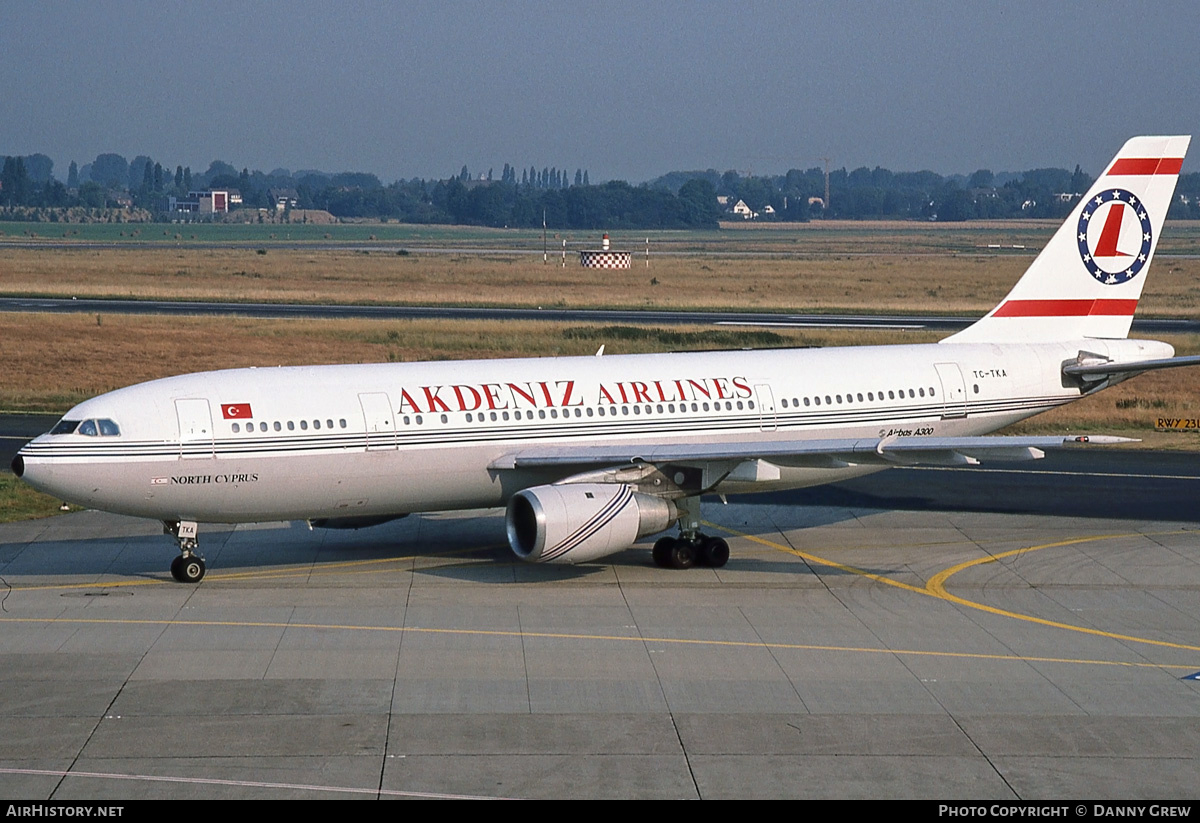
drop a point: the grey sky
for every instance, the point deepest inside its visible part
(627, 90)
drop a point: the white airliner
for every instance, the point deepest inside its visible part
(591, 453)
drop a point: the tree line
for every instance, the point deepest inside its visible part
(525, 197)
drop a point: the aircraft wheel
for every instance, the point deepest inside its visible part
(714, 552)
(191, 569)
(662, 552)
(683, 555)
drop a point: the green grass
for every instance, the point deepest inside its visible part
(19, 502)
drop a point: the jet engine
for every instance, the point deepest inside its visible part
(578, 522)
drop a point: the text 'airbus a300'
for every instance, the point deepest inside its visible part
(591, 453)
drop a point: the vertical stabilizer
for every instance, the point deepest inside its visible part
(1088, 278)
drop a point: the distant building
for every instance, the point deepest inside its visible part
(119, 199)
(743, 211)
(202, 202)
(283, 198)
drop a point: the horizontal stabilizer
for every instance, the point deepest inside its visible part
(1134, 367)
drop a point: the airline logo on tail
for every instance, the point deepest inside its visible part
(1114, 236)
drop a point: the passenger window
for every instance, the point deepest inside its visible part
(304, 424)
(291, 426)
(329, 424)
(806, 401)
(236, 428)
(445, 419)
(262, 427)
(342, 422)
(316, 424)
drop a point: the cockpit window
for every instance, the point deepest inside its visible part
(90, 428)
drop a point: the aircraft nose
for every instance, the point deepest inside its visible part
(18, 465)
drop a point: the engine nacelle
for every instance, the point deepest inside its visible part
(578, 522)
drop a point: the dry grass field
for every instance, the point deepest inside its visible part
(963, 284)
(857, 267)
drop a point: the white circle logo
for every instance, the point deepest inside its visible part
(1114, 236)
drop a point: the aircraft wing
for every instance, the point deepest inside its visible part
(941, 451)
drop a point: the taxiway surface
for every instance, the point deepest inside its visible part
(846, 650)
(184, 308)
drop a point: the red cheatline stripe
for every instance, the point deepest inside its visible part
(1066, 308)
(1147, 165)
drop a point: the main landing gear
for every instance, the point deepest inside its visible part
(691, 548)
(683, 552)
(189, 566)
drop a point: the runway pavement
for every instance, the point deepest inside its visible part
(385, 312)
(848, 649)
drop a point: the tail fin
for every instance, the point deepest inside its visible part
(1088, 278)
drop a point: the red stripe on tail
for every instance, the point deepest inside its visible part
(1066, 308)
(1147, 165)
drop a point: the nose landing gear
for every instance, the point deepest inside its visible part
(188, 567)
